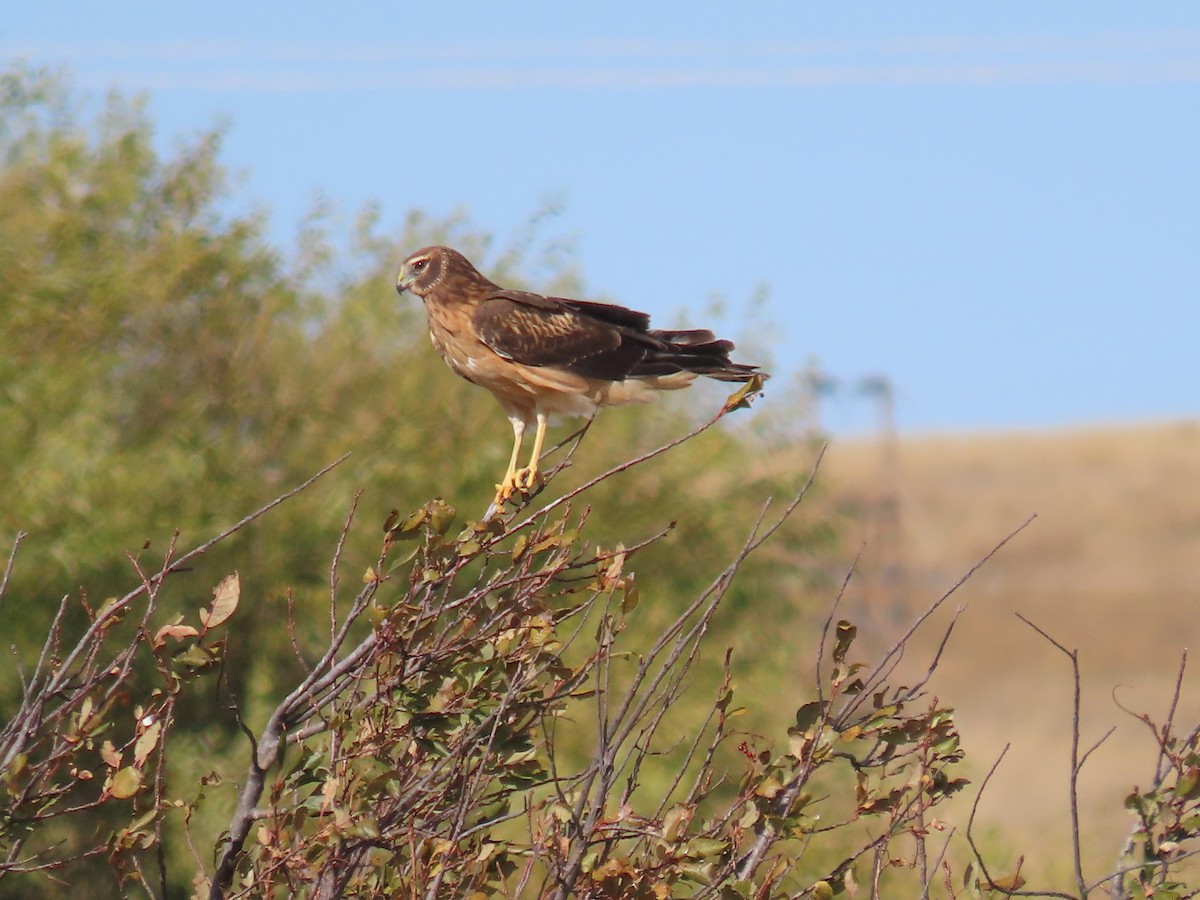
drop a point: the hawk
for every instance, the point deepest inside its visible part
(550, 356)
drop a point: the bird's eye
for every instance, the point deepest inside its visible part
(419, 264)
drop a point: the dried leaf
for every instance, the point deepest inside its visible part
(615, 565)
(177, 631)
(146, 743)
(1009, 883)
(225, 601)
(675, 821)
(85, 713)
(110, 755)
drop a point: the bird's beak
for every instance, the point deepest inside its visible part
(403, 280)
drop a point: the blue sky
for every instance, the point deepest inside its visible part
(995, 205)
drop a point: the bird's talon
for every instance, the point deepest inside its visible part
(504, 492)
(527, 481)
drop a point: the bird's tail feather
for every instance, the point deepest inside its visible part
(697, 351)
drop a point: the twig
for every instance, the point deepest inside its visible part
(825, 629)
(65, 669)
(1076, 763)
(644, 687)
(889, 659)
(12, 556)
(621, 467)
(1163, 764)
(337, 558)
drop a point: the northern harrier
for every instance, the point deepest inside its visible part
(546, 356)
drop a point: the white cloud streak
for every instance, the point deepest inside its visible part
(1127, 58)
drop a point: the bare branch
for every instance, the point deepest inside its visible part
(12, 557)
(1076, 763)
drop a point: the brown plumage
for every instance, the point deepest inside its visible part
(543, 356)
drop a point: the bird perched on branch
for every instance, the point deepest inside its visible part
(548, 356)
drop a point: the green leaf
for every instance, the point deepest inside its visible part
(125, 783)
(846, 632)
(947, 747)
(702, 873)
(740, 399)
(704, 846)
(809, 714)
(441, 515)
(631, 597)
(519, 547)
(1188, 785)
(144, 819)
(197, 657)
(411, 525)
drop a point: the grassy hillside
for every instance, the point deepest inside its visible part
(1111, 566)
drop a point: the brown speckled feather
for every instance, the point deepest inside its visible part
(541, 331)
(500, 338)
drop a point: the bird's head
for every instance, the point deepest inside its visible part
(431, 267)
(423, 270)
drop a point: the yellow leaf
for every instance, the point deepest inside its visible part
(740, 399)
(85, 713)
(225, 601)
(125, 783)
(616, 564)
(631, 597)
(110, 755)
(675, 821)
(769, 787)
(519, 546)
(146, 743)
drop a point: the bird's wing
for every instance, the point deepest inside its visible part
(609, 312)
(590, 339)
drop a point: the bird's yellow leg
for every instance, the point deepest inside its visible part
(528, 478)
(505, 488)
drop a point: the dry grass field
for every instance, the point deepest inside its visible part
(1110, 566)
